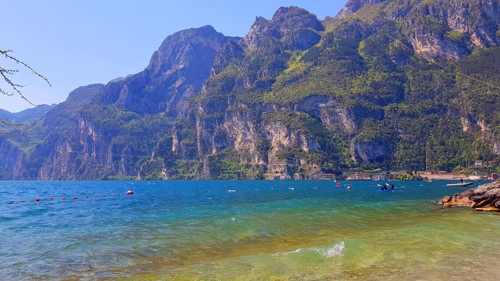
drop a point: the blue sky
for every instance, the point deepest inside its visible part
(75, 43)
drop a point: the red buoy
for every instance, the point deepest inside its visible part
(51, 198)
(95, 196)
(37, 199)
(155, 192)
(130, 192)
(86, 197)
(104, 195)
(63, 199)
(21, 201)
(74, 198)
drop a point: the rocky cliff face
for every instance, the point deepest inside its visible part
(290, 100)
(439, 29)
(175, 74)
(11, 159)
(450, 29)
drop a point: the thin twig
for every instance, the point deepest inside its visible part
(6, 54)
(16, 87)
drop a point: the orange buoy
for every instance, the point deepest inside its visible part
(37, 199)
(130, 192)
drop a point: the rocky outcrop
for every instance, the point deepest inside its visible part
(441, 29)
(295, 26)
(482, 198)
(353, 6)
(451, 29)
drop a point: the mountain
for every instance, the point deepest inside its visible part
(27, 115)
(384, 85)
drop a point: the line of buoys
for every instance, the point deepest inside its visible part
(38, 200)
(336, 187)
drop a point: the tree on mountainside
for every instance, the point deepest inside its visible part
(6, 74)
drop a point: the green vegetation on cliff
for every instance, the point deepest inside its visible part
(393, 85)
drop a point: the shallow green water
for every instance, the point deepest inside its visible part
(243, 231)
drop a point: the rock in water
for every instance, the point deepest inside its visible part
(485, 197)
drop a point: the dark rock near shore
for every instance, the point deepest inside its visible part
(485, 197)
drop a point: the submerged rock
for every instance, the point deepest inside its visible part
(485, 197)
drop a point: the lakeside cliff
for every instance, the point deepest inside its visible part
(385, 84)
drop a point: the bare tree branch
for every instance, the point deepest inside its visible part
(16, 87)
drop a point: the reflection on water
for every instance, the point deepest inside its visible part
(245, 230)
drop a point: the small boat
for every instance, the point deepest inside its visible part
(459, 184)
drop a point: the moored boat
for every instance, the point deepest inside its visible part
(459, 184)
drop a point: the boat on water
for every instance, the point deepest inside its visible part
(459, 184)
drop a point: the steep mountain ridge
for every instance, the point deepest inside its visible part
(295, 98)
(175, 73)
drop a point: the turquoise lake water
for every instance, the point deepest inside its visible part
(242, 230)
